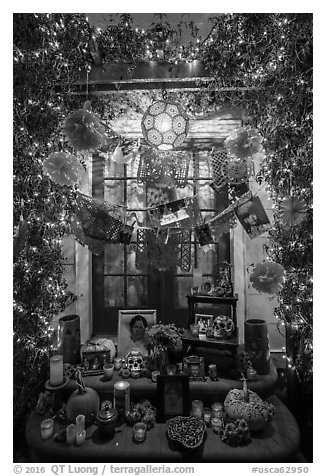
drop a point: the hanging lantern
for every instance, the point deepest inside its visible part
(165, 125)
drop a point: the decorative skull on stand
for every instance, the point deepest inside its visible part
(223, 327)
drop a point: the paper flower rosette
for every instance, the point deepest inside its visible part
(267, 277)
(84, 130)
(244, 142)
(63, 168)
(292, 211)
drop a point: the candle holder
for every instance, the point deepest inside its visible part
(80, 423)
(139, 431)
(108, 371)
(194, 329)
(207, 415)
(71, 434)
(197, 407)
(80, 437)
(47, 427)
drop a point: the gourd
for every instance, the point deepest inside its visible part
(249, 406)
(83, 401)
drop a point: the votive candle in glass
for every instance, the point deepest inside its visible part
(71, 434)
(80, 437)
(207, 414)
(197, 408)
(80, 423)
(155, 373)
(217, 425)
(117, 363)
(171, 369)
(139, 432)
(56, 370)
(194, 329)
(47, 428)
(108, 371)
(217, 410)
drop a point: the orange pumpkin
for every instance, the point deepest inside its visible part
(83, 401)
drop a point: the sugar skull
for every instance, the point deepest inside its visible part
(135, 362)
(223, 327)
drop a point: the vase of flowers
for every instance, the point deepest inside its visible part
(163, 339)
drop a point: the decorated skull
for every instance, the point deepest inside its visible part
(223, 327)
(135, 361)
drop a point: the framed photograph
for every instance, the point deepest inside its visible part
(93, 362)
(252, 216)
(204, 321)
(173, 396)
(207, 286)
(133, 329)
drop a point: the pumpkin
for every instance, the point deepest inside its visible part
(247, 405)
(83, 401)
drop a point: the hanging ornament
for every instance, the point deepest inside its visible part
(244, 142)
(229, 170)
(293, 210)
(268, 277)
(164, 169)
(84, 129)
(252, 216)
(63, 168)
(95, 246)
(98, 221)
(165, 125)
(125, 233)
(125, 151)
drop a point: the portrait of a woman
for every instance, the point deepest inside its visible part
(133, 335)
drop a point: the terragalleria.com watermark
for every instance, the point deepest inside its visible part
(59, 469)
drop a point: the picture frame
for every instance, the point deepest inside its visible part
(138, 341)
(173, 396)
(93, 362)
(207, 286)
(252, 216)
(204, 321)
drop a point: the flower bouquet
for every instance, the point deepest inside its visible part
(164, 339)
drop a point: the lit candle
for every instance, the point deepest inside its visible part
(155, 373)
(217, 410)
(194, 329)
(56, 370)
(139, 432)
(47, 428)
(71, 434)
(80, 423)
(117, 363)
(197, 408)
(80, 437)
(207, 414)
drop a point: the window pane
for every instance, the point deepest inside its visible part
(113, 192)
(113, 259)
(114, 291)
(137, 291)
(206, 196)
(182, 287)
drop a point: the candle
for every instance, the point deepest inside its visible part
(194, 329)
(71, 434)
(171, 369)
(56, 370)
(217, 425)
(139, 432)
(117, 363)
(80, 437)
(155, 373)
(121, 396)
(47, 428)
(207, 414)
(197, 408)
(80, 423)
(108, 371)
(217, 410)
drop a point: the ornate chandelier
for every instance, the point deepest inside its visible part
(165, 125)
